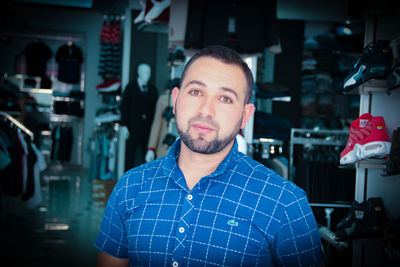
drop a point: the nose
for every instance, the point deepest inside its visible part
(207, 107)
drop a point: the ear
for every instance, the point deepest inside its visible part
(175, 93)
(247, 113)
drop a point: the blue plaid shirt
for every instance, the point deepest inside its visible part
(241, 214)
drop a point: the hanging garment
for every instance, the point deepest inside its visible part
(24, 162)
(112, 151)
(322, 179)
(62, 143)
(110, 50)
(37, 54)
(4, 159)
(69, 59)
(30, 184)
(246, 26)
(8, 176)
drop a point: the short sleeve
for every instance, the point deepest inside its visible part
(79, 54)
(111, 238)
(298, 242)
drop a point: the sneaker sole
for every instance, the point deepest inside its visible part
(377, 149)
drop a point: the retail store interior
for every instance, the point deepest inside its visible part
(74, 118)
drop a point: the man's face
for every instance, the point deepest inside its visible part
(209, 108)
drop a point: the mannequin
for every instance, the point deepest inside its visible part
(137, 112)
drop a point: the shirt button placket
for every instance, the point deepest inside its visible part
(182, 229)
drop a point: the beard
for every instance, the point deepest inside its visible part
(199, 144)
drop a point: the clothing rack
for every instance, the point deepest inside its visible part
(311, 137)
(17, 123)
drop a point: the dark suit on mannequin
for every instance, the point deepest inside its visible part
(137, 112)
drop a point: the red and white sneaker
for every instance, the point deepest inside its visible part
(109, 86)
(367, 138)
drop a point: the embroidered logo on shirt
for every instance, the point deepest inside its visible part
(233, 223)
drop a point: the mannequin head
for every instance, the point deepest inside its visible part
(144, 72)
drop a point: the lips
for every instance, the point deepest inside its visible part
(202, 128)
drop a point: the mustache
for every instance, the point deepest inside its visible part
(205, 120)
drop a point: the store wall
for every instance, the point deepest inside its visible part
(42, 18)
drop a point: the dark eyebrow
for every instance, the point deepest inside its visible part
(231, 91)
(195, 82)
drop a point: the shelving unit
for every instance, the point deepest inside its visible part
(46, 97)
(369, 87)
(378, 101)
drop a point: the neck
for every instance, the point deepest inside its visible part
(195, 165)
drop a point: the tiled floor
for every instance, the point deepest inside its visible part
(59, 232)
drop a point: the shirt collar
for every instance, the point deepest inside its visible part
(171, 160)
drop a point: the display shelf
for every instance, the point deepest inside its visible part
(373, 163)
(269, 141)
(63, 118)
(67, 98)
(371, 86)
(37, 91)
(333, 204)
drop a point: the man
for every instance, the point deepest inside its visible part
(205, 203)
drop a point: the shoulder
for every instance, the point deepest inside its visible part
(273, 186)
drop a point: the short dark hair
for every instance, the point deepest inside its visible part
(228, 56)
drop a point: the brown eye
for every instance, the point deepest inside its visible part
(226, 99)
(195, 92)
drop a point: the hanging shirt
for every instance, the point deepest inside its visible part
(241, 214)
(69, 59)
(37, 54)
(24, 161)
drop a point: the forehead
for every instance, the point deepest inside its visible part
(214, 69)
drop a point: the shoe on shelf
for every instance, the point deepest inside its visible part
(367, 138)
(393, 79)
(363, 220)
(348, 226)
(109, 86)
(374, 62)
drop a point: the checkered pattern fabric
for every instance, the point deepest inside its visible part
(241, 214)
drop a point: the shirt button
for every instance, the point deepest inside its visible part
(175, 264)
(181, 230)
(189, 197)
